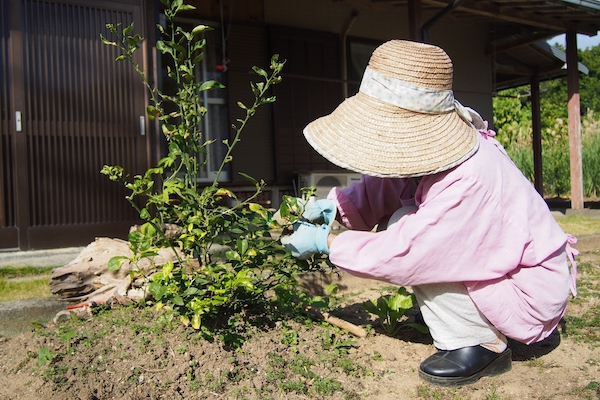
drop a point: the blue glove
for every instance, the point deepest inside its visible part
(307, 239)
(321, 211)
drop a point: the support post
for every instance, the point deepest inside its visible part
(574, 122)
(414, 20)
(536, 124)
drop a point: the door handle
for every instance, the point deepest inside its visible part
(142, 125)
(18, 122)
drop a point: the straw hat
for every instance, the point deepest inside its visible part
(403, 122)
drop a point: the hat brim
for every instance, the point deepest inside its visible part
(366, 135)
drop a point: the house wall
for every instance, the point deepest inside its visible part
(248, 47)
(272, 147)
(332, 17)
(472, 68)
(463, 42)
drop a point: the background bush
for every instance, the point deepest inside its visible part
(512, 122)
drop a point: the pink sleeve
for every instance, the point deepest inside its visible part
(364, 204)
(456, 235)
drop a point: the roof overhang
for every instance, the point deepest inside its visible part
(515, 67)
(519, 30)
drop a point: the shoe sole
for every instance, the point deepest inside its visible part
(499, 366)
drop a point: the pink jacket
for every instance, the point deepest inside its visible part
(481, 223)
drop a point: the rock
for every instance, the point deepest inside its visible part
(87, 277)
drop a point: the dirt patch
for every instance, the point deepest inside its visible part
(125, 354)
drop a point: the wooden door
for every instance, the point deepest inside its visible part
(78, 110)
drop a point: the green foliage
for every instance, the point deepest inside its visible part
(229, 262)
(338, 344)
(590, 126)
(512, 120)
(44, 356)
(512, 117)
(590, 84)
(391, 308)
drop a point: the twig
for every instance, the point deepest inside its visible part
(340, 323)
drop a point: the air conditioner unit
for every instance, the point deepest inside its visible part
(324, 181)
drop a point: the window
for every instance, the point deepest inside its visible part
(215, 124)
(359, 53)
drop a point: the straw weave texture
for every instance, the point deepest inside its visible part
(369, 136)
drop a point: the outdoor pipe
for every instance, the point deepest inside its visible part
(447, 10)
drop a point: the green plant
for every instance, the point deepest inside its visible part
(391, 308)
(228, 261)
(289, 337)
(44, 356)
(326, 386)
(66, 333)
(332, 341)
(296, 386)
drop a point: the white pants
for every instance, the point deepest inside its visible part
(451, 316)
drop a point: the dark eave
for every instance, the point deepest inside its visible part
(516, 66)
(518, 30)
(550, 16)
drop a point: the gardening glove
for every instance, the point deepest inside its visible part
(321, 211)
(307, 239)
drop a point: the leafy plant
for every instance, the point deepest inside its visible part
(228, 260)
(44, 356)
(336, 343)
(391, 308)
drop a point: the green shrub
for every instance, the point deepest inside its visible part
(229, 263)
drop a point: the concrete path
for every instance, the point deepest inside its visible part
(39, 258)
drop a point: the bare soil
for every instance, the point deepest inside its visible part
(124, 354)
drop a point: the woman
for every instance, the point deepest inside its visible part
(468, 232)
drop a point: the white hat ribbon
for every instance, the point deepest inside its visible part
(411, 97)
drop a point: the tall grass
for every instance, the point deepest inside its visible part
(556, 158)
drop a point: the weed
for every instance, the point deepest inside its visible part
(390, 309)
(301, 365)
(536, 363)
(377, 356)
(136, 373)
(289, 336)
(215, 384)
(349, 366)
(274, 375)
(584, 328)
(277, 361)
(332, 340)
(589, 392)
(44, 356)
(326, 386)
(65, 334)
(427, 392)
(296, 386)
(492, 394)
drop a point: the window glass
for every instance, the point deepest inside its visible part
(359, 53)
(215, 125)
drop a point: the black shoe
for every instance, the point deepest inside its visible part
(463, 366)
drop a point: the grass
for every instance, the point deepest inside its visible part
(23, 289)
(13, 272)
(578, 225)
